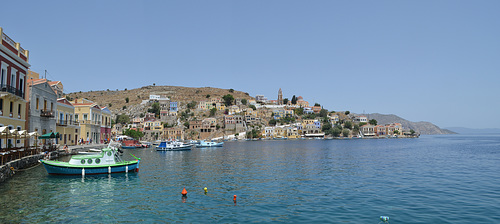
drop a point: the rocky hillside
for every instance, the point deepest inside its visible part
(115, 100)
(424, 128)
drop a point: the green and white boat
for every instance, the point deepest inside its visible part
(105, 162)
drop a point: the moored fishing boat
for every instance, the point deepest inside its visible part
(204, 144)
(173, 146)
(107, 161)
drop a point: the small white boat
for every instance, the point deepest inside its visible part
(204, 144)
(173, 146)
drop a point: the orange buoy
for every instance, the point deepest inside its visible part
(234, 198)
(184, 192)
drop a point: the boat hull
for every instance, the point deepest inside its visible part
(210, 146)
(64, 169)
(128, 147)
(174, 149)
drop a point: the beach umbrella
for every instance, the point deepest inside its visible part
(24, 135)
(13, 133)
(35, 134)
(4, 131)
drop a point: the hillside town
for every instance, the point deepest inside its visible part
(227, 118)
(35, 106)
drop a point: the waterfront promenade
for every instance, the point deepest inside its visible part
(29, 158)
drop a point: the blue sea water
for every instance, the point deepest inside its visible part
(432, 179)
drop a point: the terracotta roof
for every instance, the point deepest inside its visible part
(54, 82)
(36, 81)
(64, 101)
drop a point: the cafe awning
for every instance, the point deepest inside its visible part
(49, 135)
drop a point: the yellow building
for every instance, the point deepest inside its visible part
(292, 132)
(68, 128)
(89, 115)
(220, 106)
(173, 133)
(13, 69)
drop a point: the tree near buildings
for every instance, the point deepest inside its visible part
(323, 113)
(285, 101)
(155, 108)
(294, 100)
(213, 111)
(348, 124)
(272, 122)
(373, 122)
(191, 105)
(228, 100)
(326, 127)
(336, 132)
(347, 112)
(126, 100)
(299, 111)
(253, 107)
(133, 133)
(244, 101)
(345, 132)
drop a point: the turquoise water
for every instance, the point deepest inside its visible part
(433, 179)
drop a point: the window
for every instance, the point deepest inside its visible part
(45, 104)
(19, 109)
(21, 82)
(37, 103)
(76, 117)
(11, 106)
(85, 117)
(13, 77)
(1, 104)
(3, 77)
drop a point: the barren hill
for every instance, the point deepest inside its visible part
(115, 100)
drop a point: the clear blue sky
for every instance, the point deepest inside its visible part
(435, 61)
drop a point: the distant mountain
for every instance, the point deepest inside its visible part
(422, 127)
(462, 130)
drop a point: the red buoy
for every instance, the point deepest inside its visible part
(234, 198)
(184, 192)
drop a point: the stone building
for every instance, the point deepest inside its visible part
(42, 107)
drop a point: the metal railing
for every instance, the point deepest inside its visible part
(62, 123)
(11, 89)
(8, 40)
(46, 113)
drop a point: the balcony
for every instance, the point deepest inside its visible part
(62, 123)
(46, 113)
(11, 89)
